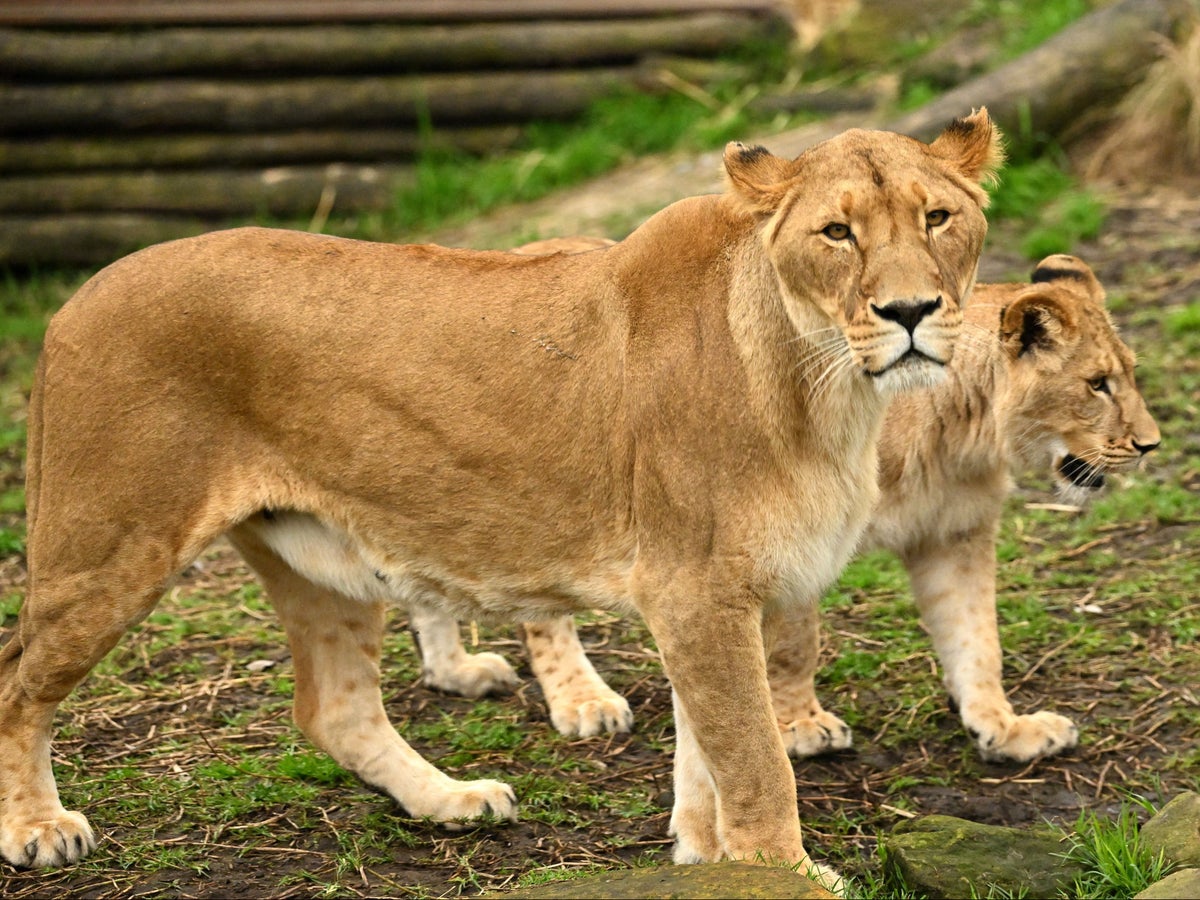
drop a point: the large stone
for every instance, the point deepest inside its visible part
(714, 881)
(945, 857)
(1175, 831)
(1181, 885)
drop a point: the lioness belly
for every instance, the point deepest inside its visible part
(330, 557)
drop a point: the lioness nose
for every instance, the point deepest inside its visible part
(907, 313)
(1144, 448)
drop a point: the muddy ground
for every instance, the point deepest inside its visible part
(1148, 249)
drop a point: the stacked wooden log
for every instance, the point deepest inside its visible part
(125, 122)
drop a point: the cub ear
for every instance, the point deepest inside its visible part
(974, 145)
(1070, 272)
(1037, 322)
(758, 178)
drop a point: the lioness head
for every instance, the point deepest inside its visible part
(882, 233)
(1073, 376)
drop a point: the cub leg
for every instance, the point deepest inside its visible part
(791, 669)
(336, 644)
(694, 813)
(579, 700)
(447, 666)
(69, 621)
(955, 590)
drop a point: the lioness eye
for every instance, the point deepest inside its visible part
(1099, 385)
(936, 217)
(836, 231)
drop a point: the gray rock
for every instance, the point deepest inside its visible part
(1181, 885)
(945, 857)
(714, 880)
(1175, 831)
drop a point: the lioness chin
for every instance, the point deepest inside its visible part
(1041, 379)
(683, 425)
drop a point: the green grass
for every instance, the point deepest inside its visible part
(1053, 211)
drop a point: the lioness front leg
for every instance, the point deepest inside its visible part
(445, 663)
(954, 586)
(791, 669)
(713, 654)
(336, 644)
(580, 702)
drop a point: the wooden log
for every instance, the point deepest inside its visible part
(286, 191)
(91, 55)
(240, 106)
(162, 12)
(1089, 63)
(171, 151)
(86, 240)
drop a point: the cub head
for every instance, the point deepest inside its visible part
(1078, 401)
(877, 235)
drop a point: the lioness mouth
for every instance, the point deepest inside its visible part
(911, 356)
(1080, 473)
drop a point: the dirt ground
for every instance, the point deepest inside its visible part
(1148, 248)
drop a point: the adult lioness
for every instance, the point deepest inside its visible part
(683, 425)
(1041, 377)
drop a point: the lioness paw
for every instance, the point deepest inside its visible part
(1026, 738)
(817, 734)
(456, 806)
(592, 715)
(474, 676)
(58, 841)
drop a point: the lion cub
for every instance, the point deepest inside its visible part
(1040, 378)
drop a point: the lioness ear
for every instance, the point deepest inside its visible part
(1036, 322)
(758, 178)
(974, 145)
(1070, 272)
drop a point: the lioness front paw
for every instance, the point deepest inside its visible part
(1025, 738)
(57, 841)
(462, 801)
(810, 736)
(475, 676)
(589, 716)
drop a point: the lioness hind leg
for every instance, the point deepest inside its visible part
(955, 590)
(336, 644)
(579, 700)
(65, 627)
(791, 669)
(447, 666)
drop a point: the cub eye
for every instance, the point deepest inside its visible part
(936, 217)
(1099, 385)
(836, 231)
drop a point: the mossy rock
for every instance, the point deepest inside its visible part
(1175, 831)
(715, 880)
(1177, 886)
(945, 857)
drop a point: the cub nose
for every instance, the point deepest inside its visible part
(1144, 448)
(907, 313)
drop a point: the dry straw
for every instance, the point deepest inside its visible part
(1156, 130)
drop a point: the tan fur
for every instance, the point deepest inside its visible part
(683, 424)
(1021, 392)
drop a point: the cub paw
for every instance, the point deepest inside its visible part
(64, 839)
(1025, 738)
(464, 801)
(590, 716)
(475, 676)
(810, 736)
